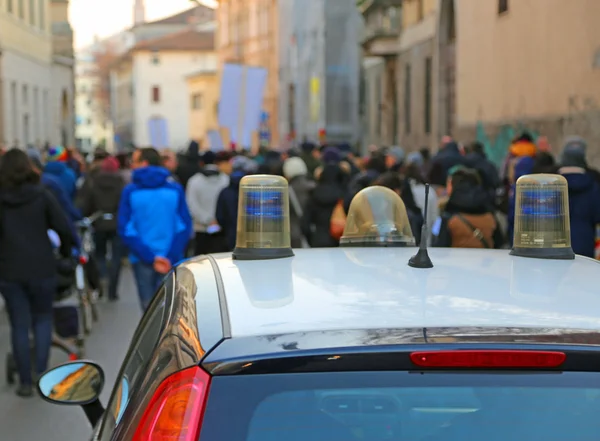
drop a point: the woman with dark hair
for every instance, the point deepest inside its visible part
(28, 266)
(394, 181)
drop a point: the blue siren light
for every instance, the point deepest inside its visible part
(542, 226)
(263, 225)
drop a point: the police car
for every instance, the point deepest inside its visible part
(370, 341)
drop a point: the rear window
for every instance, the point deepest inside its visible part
(374, 406)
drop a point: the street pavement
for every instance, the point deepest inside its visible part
(34, 419)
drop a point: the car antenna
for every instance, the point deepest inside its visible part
(421, 259)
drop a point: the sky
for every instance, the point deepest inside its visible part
(107, 17)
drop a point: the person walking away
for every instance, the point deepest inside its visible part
(476, 159)
(52, 184)
(189, 164)
(311, 156)
(57, 166)
(101, 192)
(521, 167)
(28, 266)
(468, 220)
(227, 203)
(201, 194)
(153, 222)
(448, 157)
(584, 198)
(324, 198)
(395, 182)
(300, 186)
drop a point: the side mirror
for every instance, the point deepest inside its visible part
(76, 383)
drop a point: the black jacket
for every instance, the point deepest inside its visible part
(101, 193)
(26, 215)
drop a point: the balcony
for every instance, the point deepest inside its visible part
(383, 25)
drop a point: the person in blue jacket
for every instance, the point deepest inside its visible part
(56, 165)
(153, 221)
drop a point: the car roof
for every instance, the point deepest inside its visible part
(332, 289)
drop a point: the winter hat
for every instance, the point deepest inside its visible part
(209, 157)
(110, 165)
(575, 145)
(244, 164)
(397, 153)
(523, 146)
(35, 157)
(57, 154)
(331, 155)
(574, 152)
(414, 158)
(294, 167)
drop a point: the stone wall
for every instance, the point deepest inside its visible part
(583, 123)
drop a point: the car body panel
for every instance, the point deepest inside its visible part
(374, 288)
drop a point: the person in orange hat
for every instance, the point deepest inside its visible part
(57, 166)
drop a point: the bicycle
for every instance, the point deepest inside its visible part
(88, 297)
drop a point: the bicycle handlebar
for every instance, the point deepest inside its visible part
(87, 222)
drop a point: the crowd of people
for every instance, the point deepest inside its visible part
(166, 207)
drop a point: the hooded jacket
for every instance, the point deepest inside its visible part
(154, 219)
(227, 207)
(202, 193)
(323, 199)
(26, 215)
(66, 176)
(101, 192)
(449, 156)
(467, 204)
(584, 209)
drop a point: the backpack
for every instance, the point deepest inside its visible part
(337, 222)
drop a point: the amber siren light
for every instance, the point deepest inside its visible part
(263, 225)
(377, 218)
(542, 227)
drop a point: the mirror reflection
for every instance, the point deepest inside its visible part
(72, 383)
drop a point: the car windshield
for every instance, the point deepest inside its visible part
(378, 406)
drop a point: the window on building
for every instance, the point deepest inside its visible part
(10, 7)
(22, 9)
(25, 94)
(155, 58)
(196, 101)
(32, 12)
(421, 9)
(502, 6)
(155, 94)
(427, 107)
(407, 99)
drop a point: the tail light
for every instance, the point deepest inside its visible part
(83, 260)
(488, 359)
(176, 408)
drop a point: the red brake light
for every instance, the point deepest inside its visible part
(176, 408)
(83, 260)
(488, 359)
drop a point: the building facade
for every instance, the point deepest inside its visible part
(93, 127)
(248, 34)
(26, 42)
(319, 71)
(62, 92)
(151, 89)
(528, 65)
(380, 70)
(203, 94)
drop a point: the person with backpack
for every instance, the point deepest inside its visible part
(468, 219)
